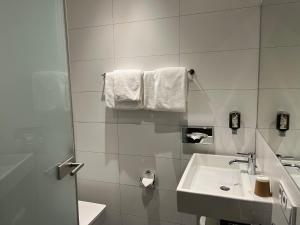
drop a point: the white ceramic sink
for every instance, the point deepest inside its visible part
(294, 172)
(211, 187)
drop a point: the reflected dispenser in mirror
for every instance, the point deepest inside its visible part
(283, 123)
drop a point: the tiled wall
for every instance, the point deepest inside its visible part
(219, 39)
(279, 75)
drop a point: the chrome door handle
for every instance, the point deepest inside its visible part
(77, 166)
(68, 167)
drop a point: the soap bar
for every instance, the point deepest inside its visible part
(262, 186)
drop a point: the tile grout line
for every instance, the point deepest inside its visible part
(160, 18)
(117, 113)
(179, 125)
(166, 54)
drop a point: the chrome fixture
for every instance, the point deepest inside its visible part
(251, 162)
(293, 165)
(68, 167)
(197, 135)
(191, 72)
(283, 157)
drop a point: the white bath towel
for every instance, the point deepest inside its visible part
(169, 90)
(110, 99)
(149, 100)
(109, 90)
(128, 85)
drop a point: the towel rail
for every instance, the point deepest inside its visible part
(191, 72)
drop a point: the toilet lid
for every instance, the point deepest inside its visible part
(89, 212)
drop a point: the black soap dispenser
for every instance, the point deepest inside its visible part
(283, 122)
(234, 121)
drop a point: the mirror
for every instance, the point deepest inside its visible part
(279, 82)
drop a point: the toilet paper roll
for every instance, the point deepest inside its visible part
(147, 181)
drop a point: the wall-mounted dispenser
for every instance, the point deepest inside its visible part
(198, 135)
(148, 179)
(283, 122)
(234, 121)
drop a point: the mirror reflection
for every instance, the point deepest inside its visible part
(279, 82)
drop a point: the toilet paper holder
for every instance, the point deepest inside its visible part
(147, 179)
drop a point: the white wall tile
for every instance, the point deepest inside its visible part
(287, 145)
(135, 220)
(89, 13)
(96, 137)
(236, 29)
(149, 140)
(198, 6)
(229, 144)
(98, 166)
(212, 108)
(224, 70)
(157, 37)
(100, 192)
(268, 2)
(91, 43)
(279, 67)
(148, 62)
(273, 100)
(149, 117)
(110, 218)
(152, 204)
(90, 107)
(86, 75)
(225, 143)
(281, 20)
(167, 170)
(132, 10)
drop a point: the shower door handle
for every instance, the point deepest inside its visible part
(68, 167)
(77, 166)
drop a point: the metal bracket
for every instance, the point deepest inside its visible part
(68, 167)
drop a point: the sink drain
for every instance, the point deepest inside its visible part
(224, 188)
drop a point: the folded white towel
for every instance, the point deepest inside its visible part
(149, 100)
(110, 95)
(109, 90)
(169, 90)
(128, 85)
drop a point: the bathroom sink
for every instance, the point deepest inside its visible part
(211, 187)
(294, 172)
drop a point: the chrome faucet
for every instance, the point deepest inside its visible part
(291, 165)
(251, 162)
(283, 157)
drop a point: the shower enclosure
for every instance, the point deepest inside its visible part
(36, 131)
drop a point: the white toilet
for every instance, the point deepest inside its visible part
(90, 213)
